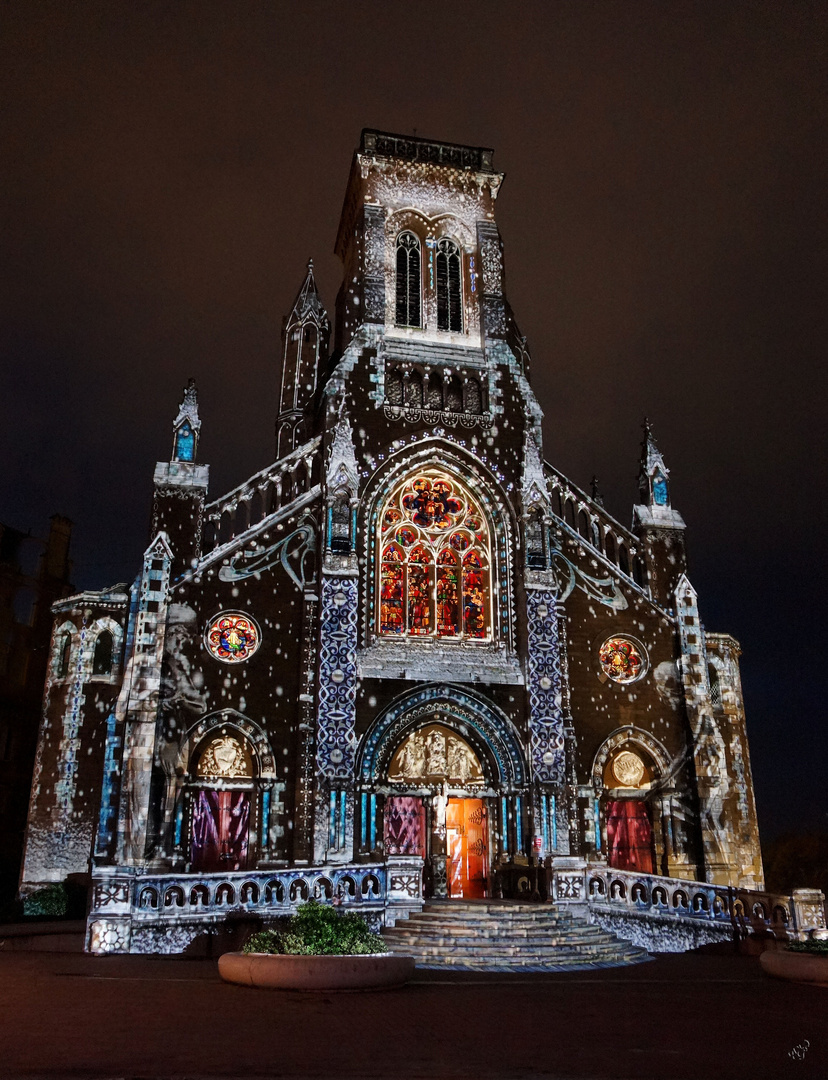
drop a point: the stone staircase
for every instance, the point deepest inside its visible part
(504, 935)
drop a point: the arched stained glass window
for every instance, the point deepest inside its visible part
(449, 293)
(435, 561)
(408, 280)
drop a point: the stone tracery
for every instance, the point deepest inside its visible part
(435, 560)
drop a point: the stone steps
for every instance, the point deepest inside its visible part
(491, 935)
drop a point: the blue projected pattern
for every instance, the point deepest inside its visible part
(185, 443)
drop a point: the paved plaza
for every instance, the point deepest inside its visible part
(696, 1015)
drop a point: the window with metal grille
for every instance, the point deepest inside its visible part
(449, 299)
(408, 280)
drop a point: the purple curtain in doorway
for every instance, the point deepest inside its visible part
(404, 825)
(220, 830)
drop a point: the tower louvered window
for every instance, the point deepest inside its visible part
(449, 298)
(408, 280)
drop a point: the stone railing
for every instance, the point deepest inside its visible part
(163, 913)
(261, 496)
(586, 520)
(416, 414)
(673, 914)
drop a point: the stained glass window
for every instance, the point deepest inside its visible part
(622, 660)
(435, 562)
(232, 638)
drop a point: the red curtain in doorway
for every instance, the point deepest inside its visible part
(629, 836)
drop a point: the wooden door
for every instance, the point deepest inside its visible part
(467, 835)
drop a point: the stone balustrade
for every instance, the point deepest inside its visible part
(144, 912)
(673, 914)
(134, 911)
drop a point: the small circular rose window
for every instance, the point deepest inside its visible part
(622, 660)
(232, 638)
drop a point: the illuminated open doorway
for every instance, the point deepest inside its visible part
(438, 810)
(467, 837)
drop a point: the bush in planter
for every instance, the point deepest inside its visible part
(318, 930)
(51, 902)
(813, 948)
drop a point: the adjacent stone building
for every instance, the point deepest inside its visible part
(407, 655)
(34, 574)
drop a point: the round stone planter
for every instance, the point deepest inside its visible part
(800, 967)
(279, 972)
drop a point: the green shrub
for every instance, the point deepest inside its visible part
(63, 900)
(817, 948)
(51, 901)
(318, 930)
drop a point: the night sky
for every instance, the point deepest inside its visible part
(169, 168)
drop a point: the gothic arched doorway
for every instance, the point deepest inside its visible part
(628, 777)
(443, 776)
(222, 805)
(439, 759)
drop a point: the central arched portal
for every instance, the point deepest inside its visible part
(443, 778)
(441, 760)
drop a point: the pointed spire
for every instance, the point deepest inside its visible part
(596, 494)
(305, 333)
(187, 425)
(653, 473)
(308, 306)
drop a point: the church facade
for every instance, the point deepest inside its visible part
(409, 657)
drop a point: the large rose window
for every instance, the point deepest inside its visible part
(435, 559)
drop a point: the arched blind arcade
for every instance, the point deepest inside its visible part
(408, 280)
(435, 559)
(449, 302)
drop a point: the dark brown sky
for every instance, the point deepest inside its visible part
(168, 168)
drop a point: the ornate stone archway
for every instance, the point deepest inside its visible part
(480, 723)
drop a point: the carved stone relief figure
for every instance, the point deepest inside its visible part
(224, 757)
(434, 754)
